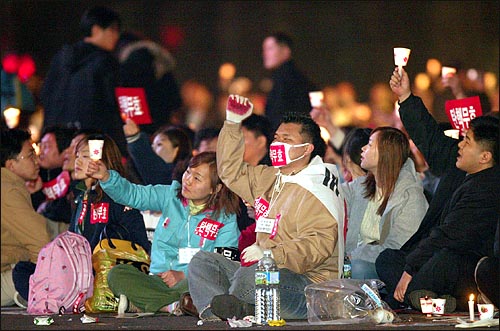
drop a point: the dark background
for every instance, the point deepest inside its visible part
(335, 40)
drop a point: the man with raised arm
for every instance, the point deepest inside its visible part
(299, 217)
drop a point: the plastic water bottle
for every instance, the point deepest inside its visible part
(267, 293)
(347, 267)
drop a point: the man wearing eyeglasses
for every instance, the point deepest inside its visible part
(24, 231)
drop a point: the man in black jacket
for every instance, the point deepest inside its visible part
(290, 86)
(459, 226)
(79, 89)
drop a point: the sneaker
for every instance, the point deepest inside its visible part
(228, 306)
(124, 306)
(19, 300)
(186, 305)
(417, 294)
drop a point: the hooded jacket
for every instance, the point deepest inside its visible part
(308, 207)
(79, 91)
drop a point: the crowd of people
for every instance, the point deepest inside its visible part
(405, 203)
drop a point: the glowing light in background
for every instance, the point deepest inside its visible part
(472, 74)
(172, 37)
(241, 86)
(26, 69)
(11, 117)
(490, 81)
(433, 68)
(325, 134)
(423, 81)
(265, 85)
(10, 63)
(227, 71)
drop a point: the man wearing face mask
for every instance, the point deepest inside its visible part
(299, 217)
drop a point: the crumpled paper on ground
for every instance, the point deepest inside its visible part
(246, 322)
(476, 324)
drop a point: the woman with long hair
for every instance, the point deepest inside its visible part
(386, 206)
(198, 213)
(94, 208)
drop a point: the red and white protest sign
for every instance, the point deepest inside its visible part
(133, 104)
(261, 207)
(100, 213)
(208, 228)
(461, 111)
(57, 187)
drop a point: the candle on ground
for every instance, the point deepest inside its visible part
(471, 307)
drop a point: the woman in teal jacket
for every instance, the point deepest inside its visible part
(199, 214)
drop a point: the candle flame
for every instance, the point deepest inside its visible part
(471, 297)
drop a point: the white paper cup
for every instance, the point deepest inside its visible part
(401, 56)
(445, 71)
(316, 98)
(438, 306)
(95, 149)
(12, 117)
(453, 133)
(426, 305)
(485, 311)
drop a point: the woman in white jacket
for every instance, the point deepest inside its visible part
(386, 206)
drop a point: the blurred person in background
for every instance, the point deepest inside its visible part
(257, 136)
(144, 63)
(79, 89)
(205, 140)
(155, 161)
(290, 86)
(51, 201)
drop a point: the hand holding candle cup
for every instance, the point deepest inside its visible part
(448, 71)
(401, 56)
(95, 149)
(316, 99)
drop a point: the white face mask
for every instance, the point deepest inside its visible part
(279, 153)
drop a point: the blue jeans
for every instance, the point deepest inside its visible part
(212, 274)
(362, 269)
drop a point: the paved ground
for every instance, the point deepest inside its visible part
(13, 318)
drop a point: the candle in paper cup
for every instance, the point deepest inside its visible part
(453, 133)
(445, 71)
(401, 56)
(316, 98)
(426, 305)
(485, 311)
(12, 117)
(95, 149)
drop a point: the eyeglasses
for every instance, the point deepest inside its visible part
(32, 155)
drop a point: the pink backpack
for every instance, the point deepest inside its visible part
(63, 277)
